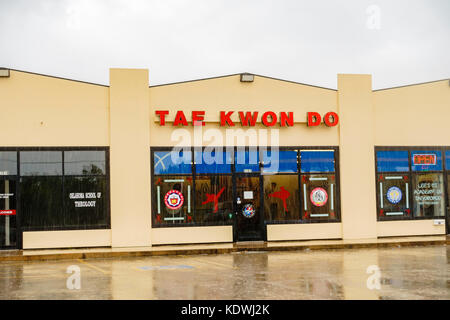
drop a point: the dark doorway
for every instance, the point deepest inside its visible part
(249, 215)
(8, 213)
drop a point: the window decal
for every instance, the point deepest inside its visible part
(173, 199)
(248, 211)
(394, 195)
(283, 194)
(214, 198)
(318, 197)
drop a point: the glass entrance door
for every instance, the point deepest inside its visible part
(8, 231)
(249, 226)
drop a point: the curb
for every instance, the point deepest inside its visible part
(170, 252)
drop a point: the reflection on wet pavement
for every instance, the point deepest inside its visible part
(404, 273)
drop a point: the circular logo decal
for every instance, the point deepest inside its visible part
(319, 197)
(394, 195)
(248, 211)
(173, 199)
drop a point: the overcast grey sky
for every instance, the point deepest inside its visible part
(398, 42)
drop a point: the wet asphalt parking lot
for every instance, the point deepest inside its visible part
(384, 273)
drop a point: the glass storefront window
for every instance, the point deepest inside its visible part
(41, 202)
(84, 163)
(428, 189)
(426, 160)
(173, 199)
(213, 161)
(283, 161)
(315, 161)
(213, 199)
(40, 163)
(410, 194)
(392, 161)
(281, 198)
(8, 163)
(394, 194)
(247, 161)
(64, 190)
(447, 160)
(85, 201)
(208, 188)
(172, 162)
(319, 197)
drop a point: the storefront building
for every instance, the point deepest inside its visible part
(227, 159)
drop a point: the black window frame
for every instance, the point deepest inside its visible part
(411, 175)
(22, 228)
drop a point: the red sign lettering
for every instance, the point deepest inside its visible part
(332, 115)
(162, 116)
(225, 118)
(286, 119)
(248, 118)
(313, 119)
(198, 117)
(180, 118)
(266, 121)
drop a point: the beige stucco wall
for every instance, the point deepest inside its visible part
(66, 239)
(307, 231)
(409, 228)
(416, 115)
(356, 135)
(45, 111)
(130, 158)
(180, 235)
(229, 94)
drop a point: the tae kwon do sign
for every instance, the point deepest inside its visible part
(249, 119)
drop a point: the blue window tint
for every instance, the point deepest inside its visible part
(447, 160)
(317, 161)
(392, 161)
(247, 161)
(210, 161)
(172, 162)
(280, 161)
(426, 160)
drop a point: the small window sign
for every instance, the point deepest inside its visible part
(424, 159)
(248, 195)
(3, 173)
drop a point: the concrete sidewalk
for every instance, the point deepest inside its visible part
(218, 248)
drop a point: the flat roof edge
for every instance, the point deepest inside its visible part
(412, 84)
(55, 77)
(237, 74)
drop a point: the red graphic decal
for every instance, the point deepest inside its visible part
(283, 194)
(189, 218)
(381, 213)
(158, 181)
(214, 198)
(7, 212)
(408, 211)
(158, 218)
